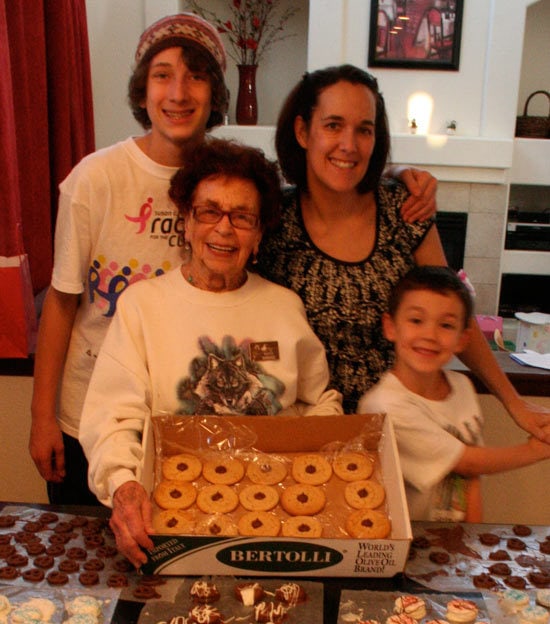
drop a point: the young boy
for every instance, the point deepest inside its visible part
(435, 412)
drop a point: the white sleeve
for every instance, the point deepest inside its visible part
(117, 403)
(427, 452)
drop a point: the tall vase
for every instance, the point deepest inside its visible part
(247, 102)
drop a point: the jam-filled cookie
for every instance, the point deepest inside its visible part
(217, 524)
(311, 469)
(174, 521)
(175, 494)
(259, 523)
(368, 524)
(352, 466)
(266, 470)
(259, 497)
(223, 470)
(303, 500)
(366, 494)
(302, 526)
(182, 467)
(217, 498)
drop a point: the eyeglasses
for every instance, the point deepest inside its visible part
(238, 219)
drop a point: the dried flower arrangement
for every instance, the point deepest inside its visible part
(253, 27)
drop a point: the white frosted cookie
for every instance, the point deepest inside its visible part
(461, 611)
(410, 605)
(182, 467)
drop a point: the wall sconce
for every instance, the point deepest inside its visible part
(419, 108)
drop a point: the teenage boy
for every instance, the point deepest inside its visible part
(435, 412)
(116, 225)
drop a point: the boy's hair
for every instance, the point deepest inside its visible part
(438, 279)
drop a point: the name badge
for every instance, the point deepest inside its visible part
(264, 351)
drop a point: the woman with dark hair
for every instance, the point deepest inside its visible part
(178, 339)
(115, 226)
(343, 242)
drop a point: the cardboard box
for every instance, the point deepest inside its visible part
(290, 557)
(533, 332)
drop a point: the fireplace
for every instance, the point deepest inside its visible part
(452, 232)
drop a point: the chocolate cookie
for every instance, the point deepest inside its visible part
(515, 582)
(33, 575)
(55, 550)
(7, 521)
(48, 517)
(539, 579)
(500, 569)
(63, 527)
(5, 538)
(94, 565)
(44, 561)
(69, 566)
(33, 526)
(545, 547)
(514, 543)
(59, 538)
(77, 553)
(78, 521)
(56, 577)
(484, 581)
(7, 550)
(145, 592)
(521, 530)
(440, 557)
(17, 560)
(123, 565)
(9, 573)
(94, 540)
(89, 578)
(421, 542)
(106, 552)
(117, 579)
(499, 555)
(489, 539)
(35, 548)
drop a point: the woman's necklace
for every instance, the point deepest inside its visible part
(186, 272)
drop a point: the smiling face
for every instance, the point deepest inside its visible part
(178, 103)
(340, 137)
(427, 330)
(220, 251)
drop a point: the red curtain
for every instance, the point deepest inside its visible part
(46, 124)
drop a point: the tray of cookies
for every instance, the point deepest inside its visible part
(291, 483)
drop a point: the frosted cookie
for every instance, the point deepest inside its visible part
(84, 604)
(175, 494)
(259, 523)
(303, 500)
(217, 498)
(290, 593)
(45, 607)
(204, 592)
(257, 497)
(410, 605)
(81, 618)
(352, 466)
(302, 526)
(513, 600)
(543, 597)
(366, 494)
(223, 470)
(534, 614)
(400, 618)
(217, 524)
(461, 611)
(267, 611)
(174, 521)
(368, 524)
(311, 469)
(205, 614)
(25, 615)
(182, 467)
(5, 606)
(249, 593)
(266, 470)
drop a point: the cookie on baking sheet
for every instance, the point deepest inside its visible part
(217, 524)
(302, 526)
(217, 498)
(365, 494)
(311, 468)
(174, 521)
(175, 494)
(257, 497)
(181, 467)
(352, 466)
(302, 499)
(368, 524)
(223, 470)
(266, 470)
(259, 523)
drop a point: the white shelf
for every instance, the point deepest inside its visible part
(531, 162)
(525, 262)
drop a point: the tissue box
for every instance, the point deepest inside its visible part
(488, 324)
(533, 332)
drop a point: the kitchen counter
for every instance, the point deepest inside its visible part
(528, 380)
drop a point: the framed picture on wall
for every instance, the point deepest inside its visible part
(415, 34)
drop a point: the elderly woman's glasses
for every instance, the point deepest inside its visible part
(211, 215)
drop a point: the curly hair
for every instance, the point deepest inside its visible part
(220, 157)
(197, 59)
(301, 102)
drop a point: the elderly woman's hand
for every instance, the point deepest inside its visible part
(131, 521)
(422, 186)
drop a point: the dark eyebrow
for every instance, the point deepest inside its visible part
(365, 122)
(214, 204)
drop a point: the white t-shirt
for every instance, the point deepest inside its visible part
(430, 438)
(173, 348)
(116, 225)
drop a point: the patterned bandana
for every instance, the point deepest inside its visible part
(183, 26)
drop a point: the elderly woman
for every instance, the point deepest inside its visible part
(207, 338)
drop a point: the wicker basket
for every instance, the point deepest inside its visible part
(531, 126)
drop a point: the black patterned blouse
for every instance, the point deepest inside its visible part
(345, 300)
